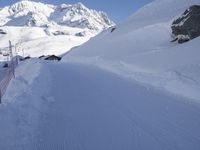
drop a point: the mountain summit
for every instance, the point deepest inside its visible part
(30, 13)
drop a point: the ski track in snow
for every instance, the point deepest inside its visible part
(23, 107)
(91, 108)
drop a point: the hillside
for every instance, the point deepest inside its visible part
(140, 49)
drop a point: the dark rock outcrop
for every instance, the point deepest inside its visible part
(81, 34)
(53, 57)
(187, 26)
(2, 31)
(56, 33)
(112, 30)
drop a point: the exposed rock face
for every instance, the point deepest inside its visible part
(187, 26)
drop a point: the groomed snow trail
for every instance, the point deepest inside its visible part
(93, 109)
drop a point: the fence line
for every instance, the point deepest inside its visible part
(6, 75)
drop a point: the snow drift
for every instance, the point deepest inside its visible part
(140, 49)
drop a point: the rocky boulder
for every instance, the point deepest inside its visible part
(187, 26)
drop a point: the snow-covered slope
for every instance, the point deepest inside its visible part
(42, 29)
(36, 41)
(140, 48)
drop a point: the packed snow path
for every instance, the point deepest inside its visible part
(96, 110)
(71, 106)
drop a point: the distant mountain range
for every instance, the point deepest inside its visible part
(43, 29)
(30, 13)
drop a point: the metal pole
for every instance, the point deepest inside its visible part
(10, 47)
(16, 54)
(11, 56)
(23, 52)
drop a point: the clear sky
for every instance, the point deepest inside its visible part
(117, 10)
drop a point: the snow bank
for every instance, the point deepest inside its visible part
(141, 48)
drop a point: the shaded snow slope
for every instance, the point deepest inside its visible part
(140, 48)
(84, 107)
(23, 106)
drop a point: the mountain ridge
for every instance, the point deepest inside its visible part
(31, 13)
(45, 29)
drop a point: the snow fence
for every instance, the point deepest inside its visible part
(6, 74)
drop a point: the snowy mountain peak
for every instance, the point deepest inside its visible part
(78, 15)
(30, 13)
(24, 6)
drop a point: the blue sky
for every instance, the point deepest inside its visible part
(117, 10)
